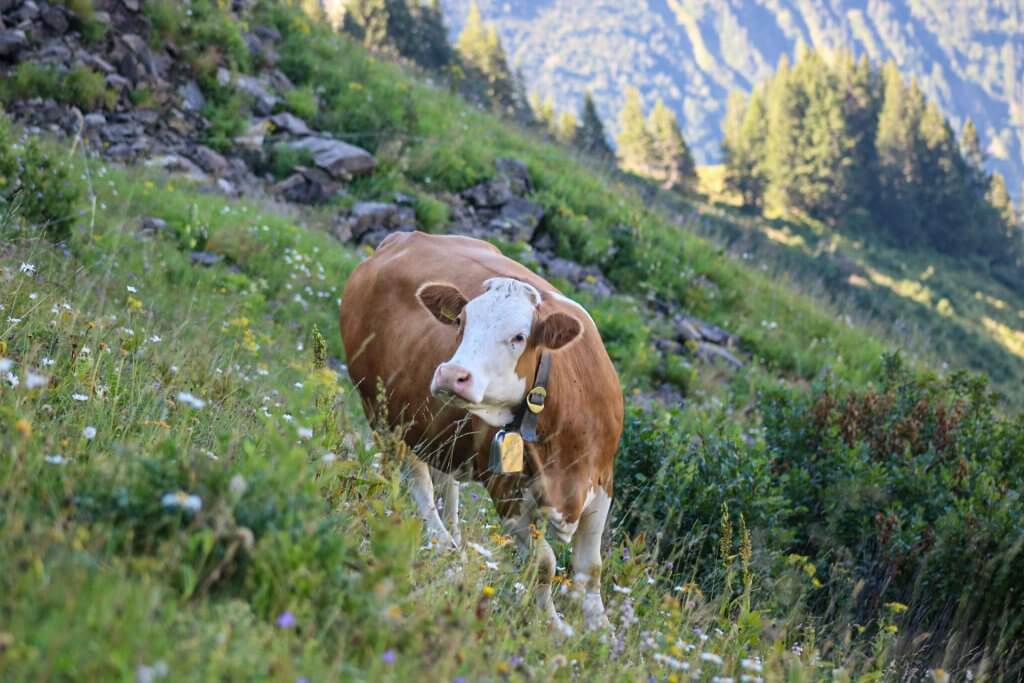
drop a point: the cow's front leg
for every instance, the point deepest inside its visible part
(586, 558)
(535, 548)
(417, 473)
(449, 488)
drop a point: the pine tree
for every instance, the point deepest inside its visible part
(485, 62)
(404, 27)
(591, 137)
(635, 144)
(897, 148)
(672, 160)
(565, 127)
(859, 85)
(783, 102)
(744, 149)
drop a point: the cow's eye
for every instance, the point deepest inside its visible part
(519, 339)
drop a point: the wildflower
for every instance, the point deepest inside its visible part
(79, 397)
(56, 459)
(751, 665)
(89, 433)
(388, 657)
(493, 566)
(896, 607)
(155, 339)
(189, 399)
(711, 658)
(287, 417)
(328, 457)
(671, 662)
(747, 678)
(6, 364)
(286, 619)
(621, 589)
(185, 501)
(480, 549)
(34, 380)
(488, 591)
(940, 676)
(131, 289)
(12, 379)
(28, 268)
(23, 427)
(238, 485)
(149, 674)
(722, 679)
(305, 433)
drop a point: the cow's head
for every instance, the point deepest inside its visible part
(500, 334)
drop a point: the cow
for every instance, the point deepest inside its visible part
(460, 349)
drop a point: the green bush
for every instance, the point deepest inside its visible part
(35, 185)
(92, 30)
(303, 103)
(284, 159)
(88, 89)
(225, 110)
(81, 86)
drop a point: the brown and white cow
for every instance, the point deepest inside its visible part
(455, 333)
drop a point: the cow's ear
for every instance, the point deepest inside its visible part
(444, 302)
(557, 330)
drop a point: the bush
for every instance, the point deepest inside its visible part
(284, 159)
(88, 89)
(92, 30)
(35, 185)
(225, 111)
(81, 86)
(303, 103)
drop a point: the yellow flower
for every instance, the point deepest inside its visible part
(503, 667)
(488, 591)
(24, 427)
(134, 304)
(891, 628)
(896, 607)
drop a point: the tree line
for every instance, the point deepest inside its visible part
(855, 146)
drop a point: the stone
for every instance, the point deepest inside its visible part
(268, 33)
(174, 163)
(152, 225)
(687, 331)
(205, 258)
(131, 5)
(210, 161)
(263, 100)
(192, 98)
(97, 62)
(290, 123)
(517, 173)
(714, 354)
(518, 219)
(12, 42)
(493, 193)
(28, 12)
(95, 120)
(118, 82)
(55, 18)
(307, 186)
(338, 158)
(252, 140)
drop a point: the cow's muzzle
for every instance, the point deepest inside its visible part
(454, 381)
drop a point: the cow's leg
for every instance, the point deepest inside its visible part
(522, 528)
(586, 558)
(449, 488)
(417, 473)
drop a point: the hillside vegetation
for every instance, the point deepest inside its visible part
(190, 490)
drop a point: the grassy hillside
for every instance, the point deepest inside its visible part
(192, 492)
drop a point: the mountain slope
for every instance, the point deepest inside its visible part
(968, 56)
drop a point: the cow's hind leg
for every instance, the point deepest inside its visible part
(417, 473)
(586, 558)
(448, 486)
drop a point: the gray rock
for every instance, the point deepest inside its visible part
(268, 33)
(96, 62)
(131, 5)
(518, 219)
(152, 225)
(264, 101)
(338, 158)
(714, 354)
(687, 331)
(205, 258)
(210, 161)
(57, 19)
(12, 42)
(291, 124)
(118, 82)
(95, 120)
(252, 140)
(174, 163)
(191, 97)
(307, 186)
(29, 11)
(517, 173)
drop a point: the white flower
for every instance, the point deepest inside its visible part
(131, 289)
(6, 364)
(13, 321)
(185, 501)
(305, 433)
(79, 397)
(48, 362)
(480, 549)
(12, 379)
(33, 296)
(174, 369)
(28, 268)
(155, 339)
(751, 664)
(238, 485)
(89, 433)
(621, 589)
(711, 658)
(671, 662)
(328, 457)
(492, 565)
(747, 678)
(195, 402)
(722, 679)
(34, 380)
(55, 459)
(298, 385)
(287, 417)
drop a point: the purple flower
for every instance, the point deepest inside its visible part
(286, 619)
(474, 496)
(625, 554)
(516, 660)
(301, 679)
(459, 679)
(389, 657)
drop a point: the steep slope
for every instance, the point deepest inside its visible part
(968, 56)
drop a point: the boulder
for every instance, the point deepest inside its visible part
(264, 101)
(174, 163)
(307, 186)
(714, 354)
(192, 98)
(56, 18)
(291, 124)
(338, 158)
(371, 222)
(11, 43)
(210, 161)
(517, 174)
(518, 219)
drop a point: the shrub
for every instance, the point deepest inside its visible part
(92, 30)
(88, 89)
(34, 184)
(284, 159)
(81, 86)
(225, 112)
(302, 102)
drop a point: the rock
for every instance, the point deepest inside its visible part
(517, 173)
(263, 100)
(252, 140)
(57, 19)
(291, 124)
(712, 333)
(28, 12)
(191, 97)
(307, 186)
(493, 193)
(403, 199)
(518, 219)
(118, 82)
(151, 225)
(264, 54)
(227, 187)
(95, 120)
(687, 331)
(210, 161)
(174, 163)
(669, 347)
(11, 43)
(96, 62)
(131, 5)
(205, 258)
(338, 158)
(715, 355)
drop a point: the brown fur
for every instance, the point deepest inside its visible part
(391, 337)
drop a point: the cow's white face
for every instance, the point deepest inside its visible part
(495, 329)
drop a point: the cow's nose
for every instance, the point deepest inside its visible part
(453, 379)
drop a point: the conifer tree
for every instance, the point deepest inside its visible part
(635, 144)
(480, 48)
(565, 127)
(784, 107)
(744, 150)
(672, 161)
(591, 136)
(897, 148)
